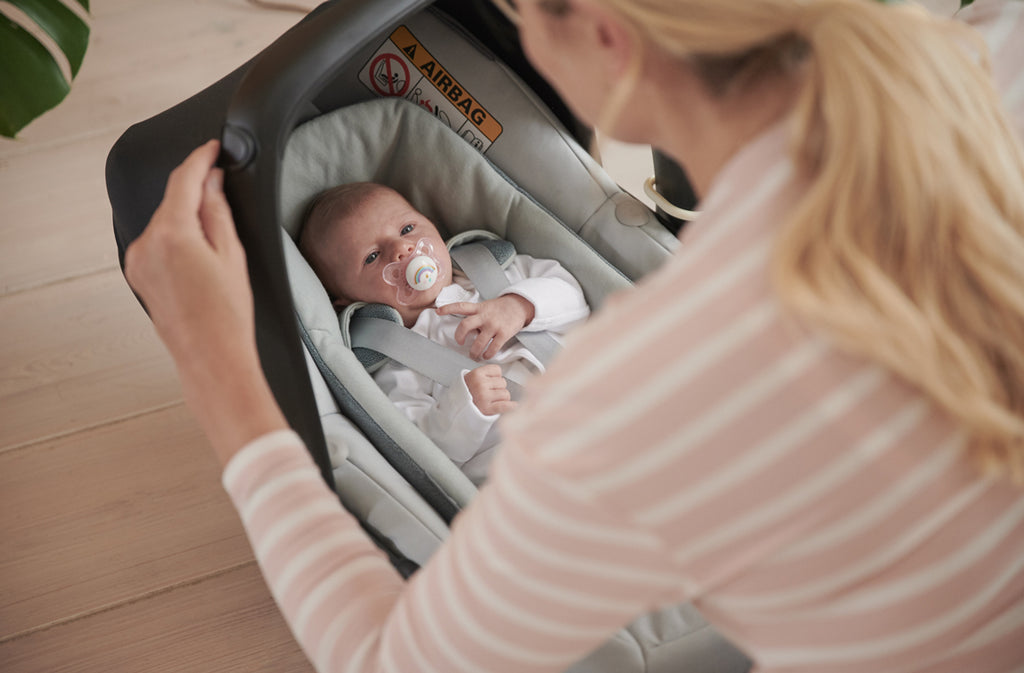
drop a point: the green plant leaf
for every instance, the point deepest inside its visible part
(31, 81)
(65, 27)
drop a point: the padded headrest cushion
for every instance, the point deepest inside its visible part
(391, 141)
(370, 359)
(503, 251)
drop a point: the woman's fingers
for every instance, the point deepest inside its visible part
(185, 185)
(215, 213)
(183, 199)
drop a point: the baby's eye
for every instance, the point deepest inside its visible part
(407, 229)
(371, 258)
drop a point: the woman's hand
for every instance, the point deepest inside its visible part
(189, 269)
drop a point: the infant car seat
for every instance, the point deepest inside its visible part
(462, 136)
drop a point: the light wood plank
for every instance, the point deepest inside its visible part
(53, 203)
(74, 355)
(147, 55)
(225, 624)
(102, 516)
(56, 217)
(120, 550)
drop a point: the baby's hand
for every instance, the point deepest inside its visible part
(489, 390)
(494, 322)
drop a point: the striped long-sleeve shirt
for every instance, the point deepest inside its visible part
(691, 443)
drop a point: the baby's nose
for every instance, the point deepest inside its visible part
(402, 250)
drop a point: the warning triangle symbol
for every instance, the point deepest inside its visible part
(410, 51)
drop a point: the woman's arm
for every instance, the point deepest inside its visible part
(531, 579)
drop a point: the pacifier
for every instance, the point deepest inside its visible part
(417, 274)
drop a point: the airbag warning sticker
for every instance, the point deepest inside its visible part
(403, 67)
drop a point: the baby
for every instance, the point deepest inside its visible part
(355, 231)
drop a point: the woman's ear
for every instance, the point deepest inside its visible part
(613, 40)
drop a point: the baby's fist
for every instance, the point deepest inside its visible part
(489, 390)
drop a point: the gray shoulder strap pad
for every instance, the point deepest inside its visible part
(415, 351)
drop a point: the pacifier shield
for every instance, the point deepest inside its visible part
(421, 274)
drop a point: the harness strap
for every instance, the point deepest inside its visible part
(415, 351)
(483, 270)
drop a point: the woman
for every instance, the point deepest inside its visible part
(822, 443)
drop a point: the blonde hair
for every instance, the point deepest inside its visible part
(908, 245)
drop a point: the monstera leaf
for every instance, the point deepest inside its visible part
(31, 79)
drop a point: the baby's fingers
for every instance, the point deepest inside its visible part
(498, 342)
(484, 338)
(458, 308)
(466, 327)
(497, 401)
(501, 407)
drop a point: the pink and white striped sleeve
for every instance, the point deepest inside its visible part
(532, 579)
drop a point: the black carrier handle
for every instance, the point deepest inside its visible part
(270, 98)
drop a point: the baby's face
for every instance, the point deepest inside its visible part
(382, 229)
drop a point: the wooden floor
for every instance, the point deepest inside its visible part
(118, 549)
